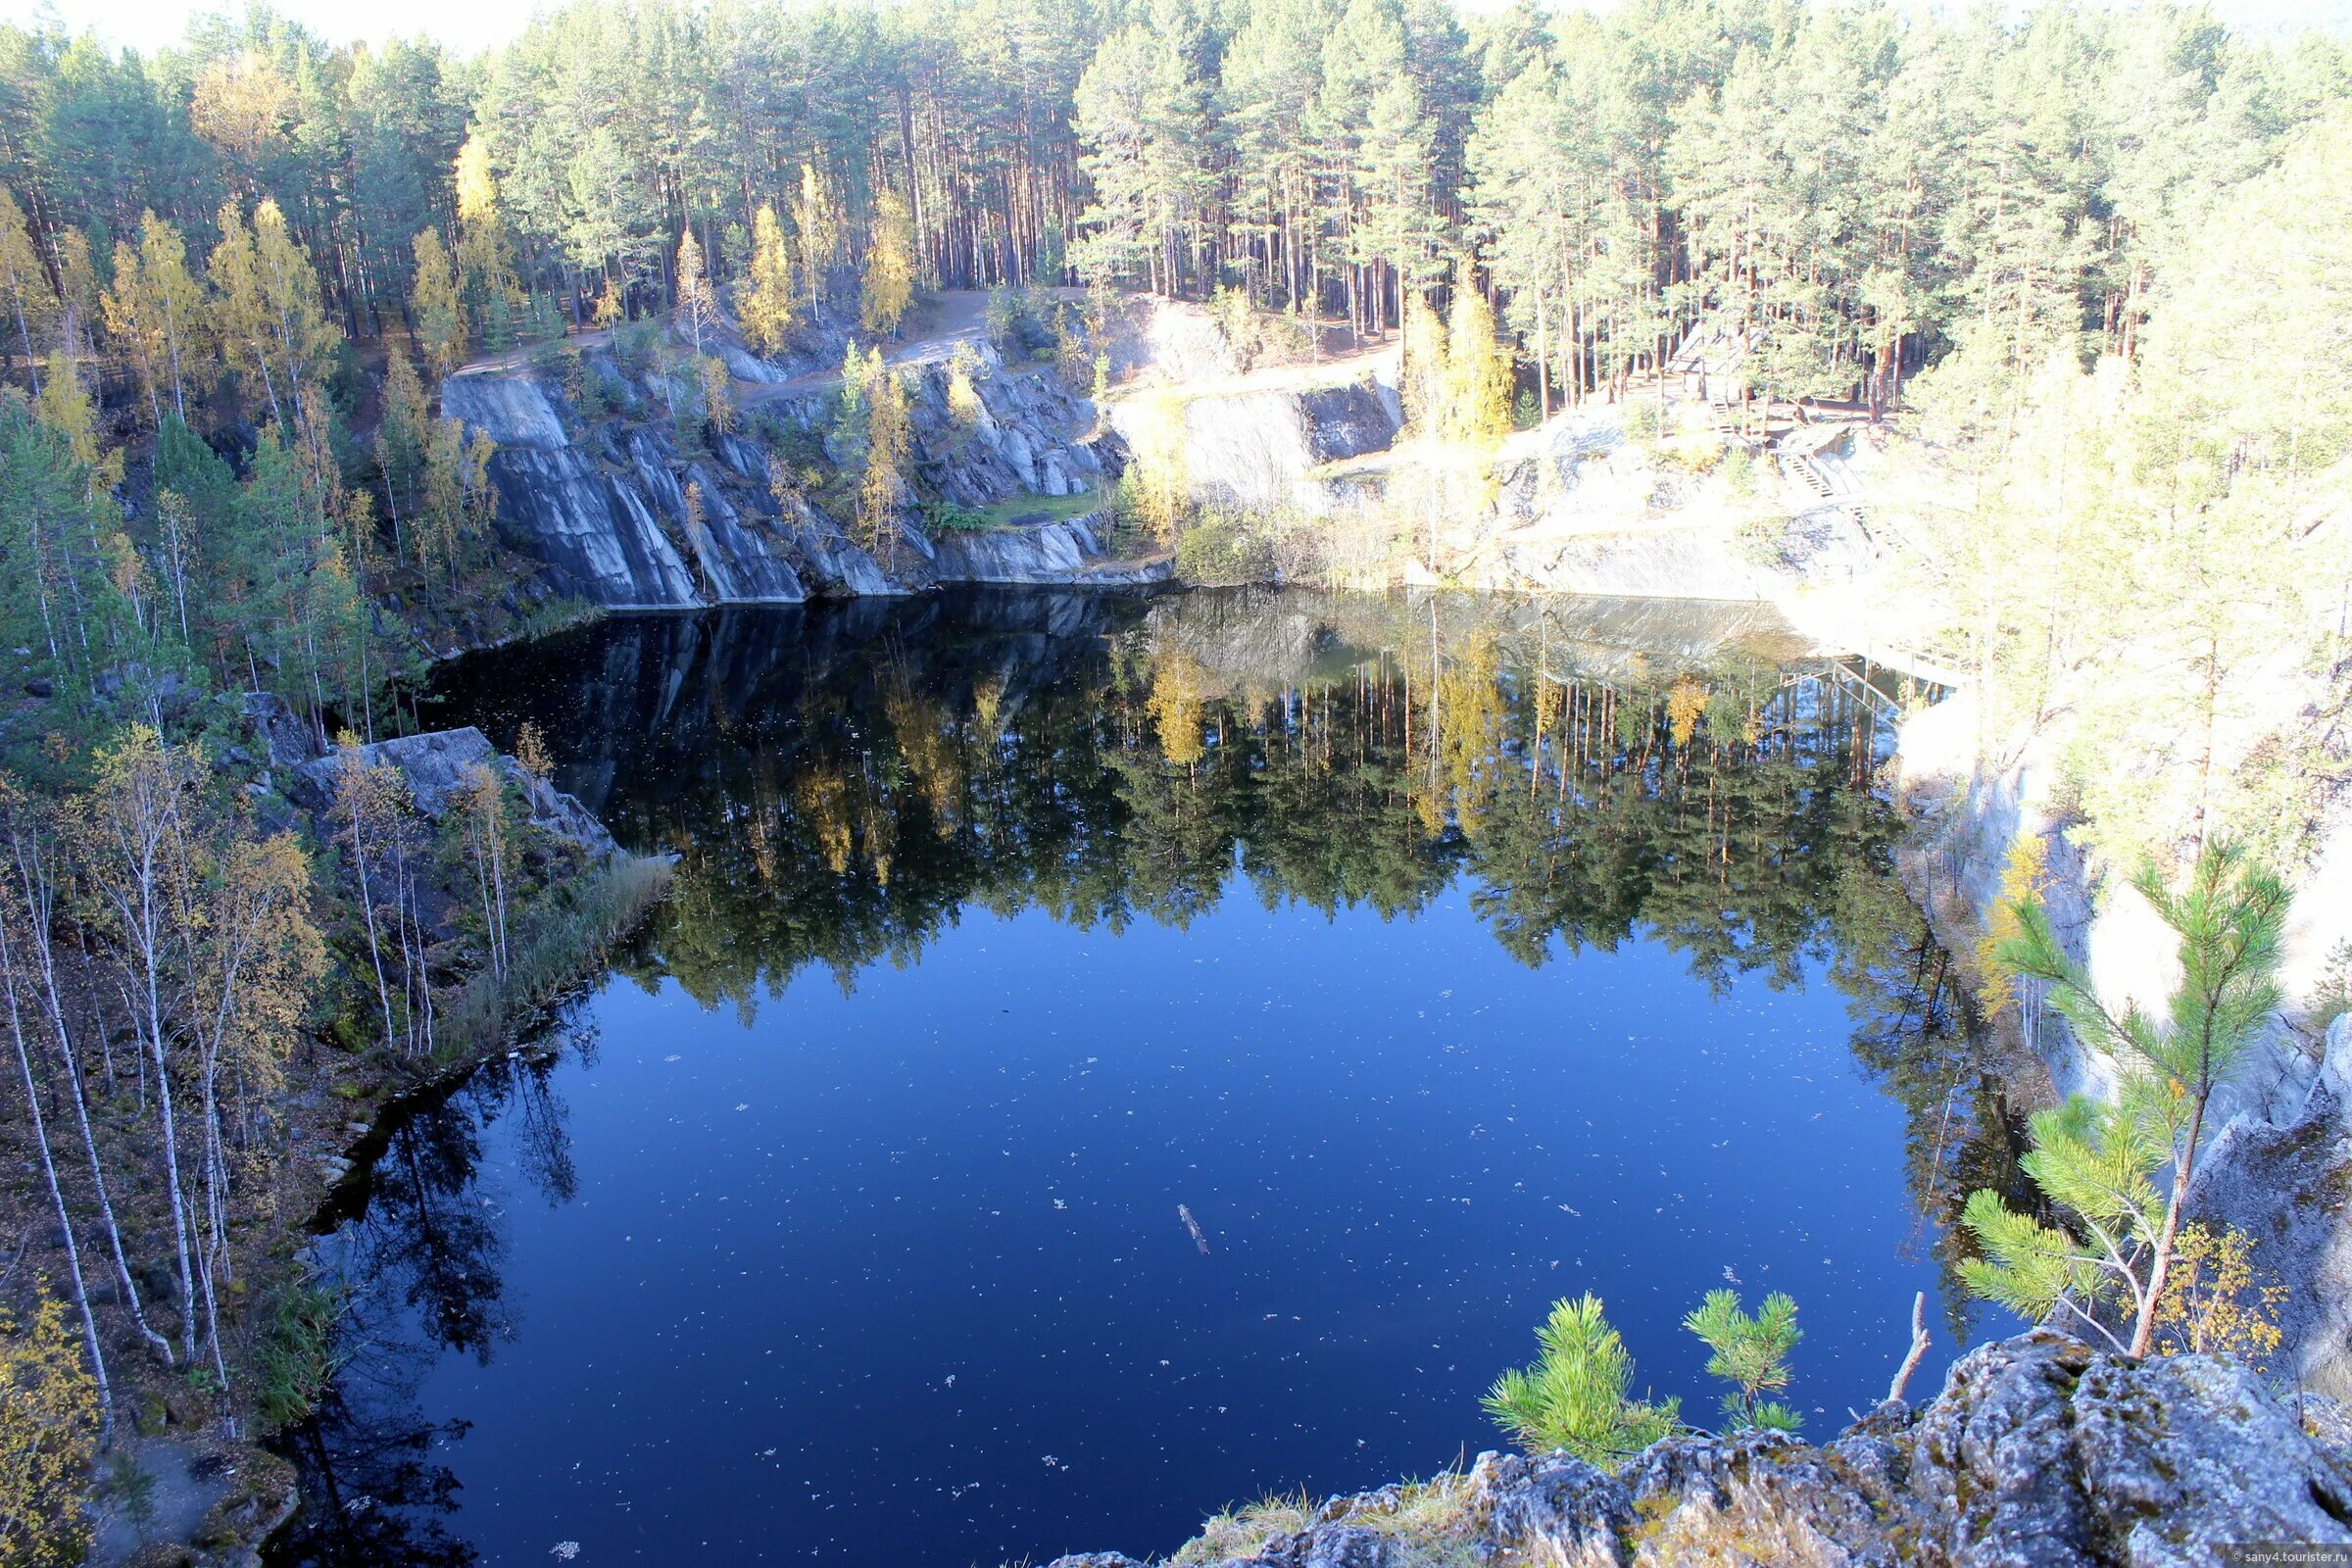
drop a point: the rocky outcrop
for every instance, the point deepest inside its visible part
(434, 766)
(1582, 508)
(1257, 448)
(2287, 1183)
(601, 501)
(2279, 1162)
(2038, 1453)
(1065, 552)
(570, 507)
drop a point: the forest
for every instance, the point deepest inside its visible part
(232, 272)
(2095, 260)
(1864, 187)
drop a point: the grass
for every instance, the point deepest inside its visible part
(1002, 513)
(559, 614)
(295, 1357)
(593, 914)
(1240, 1532)
(1424, 1517)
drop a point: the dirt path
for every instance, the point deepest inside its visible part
(929, 336)
(515, 359)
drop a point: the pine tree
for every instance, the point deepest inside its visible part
(1577, 1395)
(1751, 1353)
(2097, 1162)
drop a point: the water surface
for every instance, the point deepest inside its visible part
(1439, 959)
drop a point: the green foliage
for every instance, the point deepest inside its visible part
(1751, 1353)
(1738, 472)
(576, 924)
(295, 1357)
(1577, 1395)
(1220, 549)
(2099, 1165)
(946, 516)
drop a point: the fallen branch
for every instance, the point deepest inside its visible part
(1919, 1347)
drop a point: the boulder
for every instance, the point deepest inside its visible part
(434, 766)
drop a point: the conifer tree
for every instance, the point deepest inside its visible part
(2101, 1162)
(1577, 1395)
(1751, 1353)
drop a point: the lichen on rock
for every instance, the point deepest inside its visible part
(2040, 1452)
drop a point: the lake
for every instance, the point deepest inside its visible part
(1109, 1057)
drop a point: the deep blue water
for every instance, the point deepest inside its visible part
(878, 1260)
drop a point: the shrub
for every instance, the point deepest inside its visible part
(947, 514)
(1739, 470)
(295, 1357)
(1221, 550)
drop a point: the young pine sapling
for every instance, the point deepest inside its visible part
(2121, 1171)
(1751, 1353)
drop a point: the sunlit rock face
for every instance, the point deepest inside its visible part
(603, 499)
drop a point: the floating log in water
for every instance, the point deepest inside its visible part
(1190, 1224)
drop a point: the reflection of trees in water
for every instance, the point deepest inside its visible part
(421, 1268)
(838, 786)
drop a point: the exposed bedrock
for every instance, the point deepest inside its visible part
(2038, 1453)
(602, 502)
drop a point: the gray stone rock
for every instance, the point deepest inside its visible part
(2291, 1189)
(1337, 1545)
(283, 739)
(434, 765)
(1066, 551)
(602, 503)
(2039, 1453)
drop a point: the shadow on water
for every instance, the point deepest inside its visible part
(844, 785)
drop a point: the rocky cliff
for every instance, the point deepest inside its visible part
(2038, 1453)
(1583, 507)
(593, 485)
(1259, 443)
(2278, 1161)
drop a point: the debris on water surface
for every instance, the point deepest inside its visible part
(1190, 1224)
(565, 1550)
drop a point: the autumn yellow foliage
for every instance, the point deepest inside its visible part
(1686, 705)
(48, 1434)
(2024, 876)
(2213, 1304)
